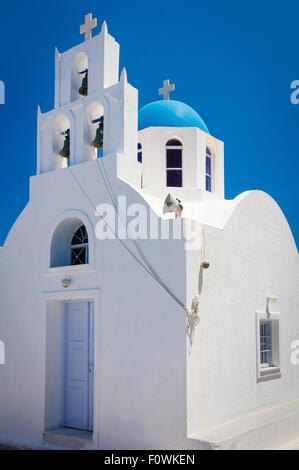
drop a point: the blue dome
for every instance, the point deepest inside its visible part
(169, 113)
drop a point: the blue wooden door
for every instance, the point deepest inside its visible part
(78, 365)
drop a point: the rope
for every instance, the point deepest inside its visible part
(203, 250)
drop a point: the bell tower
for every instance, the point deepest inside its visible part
(99, 55)
(94, 108)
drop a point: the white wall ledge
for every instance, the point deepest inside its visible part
(67, 270)
(269, 373)
(256, 430)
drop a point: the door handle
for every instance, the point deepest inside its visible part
(90, 366)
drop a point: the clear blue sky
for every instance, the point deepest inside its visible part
(232, 61)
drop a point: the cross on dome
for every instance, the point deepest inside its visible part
(166, 89)
(88, 26)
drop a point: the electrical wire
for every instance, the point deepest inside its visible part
(147, 266)
(102, 218)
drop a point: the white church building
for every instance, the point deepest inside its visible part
(132, 319)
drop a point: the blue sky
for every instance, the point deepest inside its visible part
(232, 61)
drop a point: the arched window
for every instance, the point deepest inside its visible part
(79, 246)
(139, 152)
(70, 244)
(174, 164)
(209, 170)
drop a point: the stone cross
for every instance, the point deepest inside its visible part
(87, 27)
(167, 88)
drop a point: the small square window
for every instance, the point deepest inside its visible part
(268, 361)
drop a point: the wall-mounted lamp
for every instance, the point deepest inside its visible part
(66, 283)
(271, 299)
(205, 264)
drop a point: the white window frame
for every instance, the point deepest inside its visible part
(268, 371)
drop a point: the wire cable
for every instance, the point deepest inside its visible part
(147, 266)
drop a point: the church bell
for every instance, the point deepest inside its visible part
(65, 151)
(83, 87)
(99, 138)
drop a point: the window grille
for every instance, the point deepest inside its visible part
(266, 343)
(79, 246)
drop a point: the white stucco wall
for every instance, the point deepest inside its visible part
(140, 362)
(194, 141)
(150, 392)
(254, 256)
(53, 366)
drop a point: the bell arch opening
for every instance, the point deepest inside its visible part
(94, 131)
(70, 244)
(61, 142)
(79, 76)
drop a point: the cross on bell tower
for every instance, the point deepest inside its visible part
(88, 26)
(167, 88)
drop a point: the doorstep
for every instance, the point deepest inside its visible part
(68, 438)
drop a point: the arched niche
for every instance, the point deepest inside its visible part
(60, 125)
(79, 64)
(93, 112)
(62, 242)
